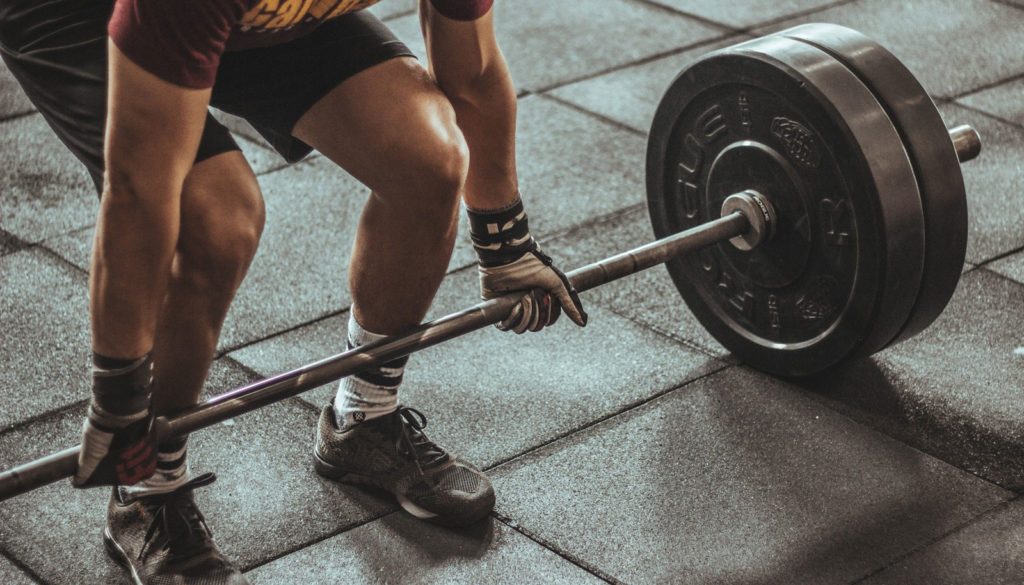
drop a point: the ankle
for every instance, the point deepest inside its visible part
(369, 394)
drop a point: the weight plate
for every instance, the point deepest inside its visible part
(788, 120)
(931, 152)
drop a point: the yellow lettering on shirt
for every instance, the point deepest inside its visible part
(269, 15)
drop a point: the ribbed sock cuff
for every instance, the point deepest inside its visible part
(372, 393)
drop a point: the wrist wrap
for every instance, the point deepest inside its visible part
(500, 236)
(122, 387)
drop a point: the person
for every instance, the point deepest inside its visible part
(126, 85)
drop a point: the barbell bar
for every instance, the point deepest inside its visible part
(270, 390)
(749, 219)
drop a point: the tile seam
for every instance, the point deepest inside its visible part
(989, 115)
(636, 62)
(677, 12)
(595, 115)
(17, 116)
(52, 413)
(935, 540)
(987, 86)
(553, 548)
(722, 366)
(25, 569)
(315, 541)
(226, 351)
(985, 263)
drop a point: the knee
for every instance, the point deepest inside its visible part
(438, 175)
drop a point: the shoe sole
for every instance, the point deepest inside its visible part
(335, 473)
(119, 556)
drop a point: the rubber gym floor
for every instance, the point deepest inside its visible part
(636, 450)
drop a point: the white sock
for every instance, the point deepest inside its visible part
(372, 393)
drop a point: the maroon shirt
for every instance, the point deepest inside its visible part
(181, 41)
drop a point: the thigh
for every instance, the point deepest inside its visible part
(391, 127)
(273, 87)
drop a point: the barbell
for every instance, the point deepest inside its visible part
(808, 203)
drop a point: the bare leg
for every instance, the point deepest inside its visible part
(393, 129)
(221, 221)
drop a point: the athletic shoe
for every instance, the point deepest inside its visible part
(164, 539)
(392, 453)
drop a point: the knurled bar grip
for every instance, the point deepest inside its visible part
(267, 391)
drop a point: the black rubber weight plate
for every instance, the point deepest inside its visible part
(843, 272)
(931, 152)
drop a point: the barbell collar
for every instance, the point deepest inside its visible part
(966, 141)
(758, 211)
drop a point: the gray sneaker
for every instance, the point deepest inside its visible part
(163, 539)
(392, 453)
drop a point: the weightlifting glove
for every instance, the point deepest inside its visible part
(118, 443)
(511, 260)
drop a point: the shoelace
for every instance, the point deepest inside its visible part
(423, 451)
(179, 519)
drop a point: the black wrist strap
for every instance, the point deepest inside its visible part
(500, 236)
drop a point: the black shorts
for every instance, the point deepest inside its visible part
(58, 53)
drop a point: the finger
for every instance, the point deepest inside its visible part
(512, 319)
(544, 303)
(556, 310)
(571, 304)
(568, 298)
(528, 313)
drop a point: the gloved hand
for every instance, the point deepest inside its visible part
(533, 271)
(119, 445)
(511, 260)
(121, 456)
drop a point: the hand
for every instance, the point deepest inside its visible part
(535, 273)
(121, 456)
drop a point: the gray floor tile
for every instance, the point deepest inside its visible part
(11, 575)
(46, 191)
(631, 95)
(1010, 267)
(954, 389)
(389, 9)
(399, 549)
(993, 226)
(736, 479)
(990, 550)
(951, 46)
(745, 13)
(13, 100)
(261, 158)
(45, 341)
(299, 272)
(576, 39)
(478, 385)
(260, 154)
(649, 298)
(564, 186)
(267, 500)
(557, 193)
(1004, 101)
